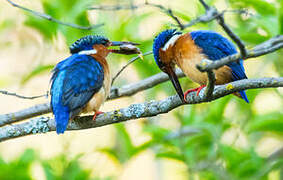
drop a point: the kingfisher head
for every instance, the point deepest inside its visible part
(163, 52)
(94, 44)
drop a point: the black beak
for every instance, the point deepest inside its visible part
(125, 47)
(174, 79)
(121, 43)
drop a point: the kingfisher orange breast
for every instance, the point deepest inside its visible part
(187, 55)
(97, 100)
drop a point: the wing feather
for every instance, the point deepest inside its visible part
(215, 47)
(83, 78)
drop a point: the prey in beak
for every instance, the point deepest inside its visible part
(170, 71)
(126, 47)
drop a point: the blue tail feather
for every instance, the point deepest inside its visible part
(61, 119)
(244, 96)
(61, 113)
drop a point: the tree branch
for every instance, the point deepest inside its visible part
(115, 93)
(210, 84)
(266, 47)
(50, 18)
(134, 111)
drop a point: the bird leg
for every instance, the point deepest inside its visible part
(96, 113)
(192, 90)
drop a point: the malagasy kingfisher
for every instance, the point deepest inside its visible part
(172, 47)
(81, 83)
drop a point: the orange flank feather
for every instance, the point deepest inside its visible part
(98, 98)
(187, 55)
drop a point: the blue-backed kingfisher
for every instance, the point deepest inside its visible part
(81, 83)
(172, 47)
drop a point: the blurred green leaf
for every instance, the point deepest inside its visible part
(18, 168)
(261, 6)
(36, 71)
(124, 147)
(67, 11)
(60, 167)
(242, 164)
(280, 17)
(269, 122)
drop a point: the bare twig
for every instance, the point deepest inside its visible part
(267, 47)
(22, 97)
(117, 7)
(276, 154)
(182, 132)
(206, 7)
(134, 111)
(230, 33)
(210, 13)
(130, 62)
(167, 11)
(50, 18)
(210, 84)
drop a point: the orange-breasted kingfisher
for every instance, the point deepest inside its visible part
(81, 83)
(172, 47)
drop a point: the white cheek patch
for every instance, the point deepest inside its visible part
(88, 52)
(171, 41)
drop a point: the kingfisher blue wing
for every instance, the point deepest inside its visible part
(215, 47)
(74, 82)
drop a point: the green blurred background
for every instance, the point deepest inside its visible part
(235, 140)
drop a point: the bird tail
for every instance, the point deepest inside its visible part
(62, 119)
(243, 95)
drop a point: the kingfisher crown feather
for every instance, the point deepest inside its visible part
(160, 41)
(87, 42)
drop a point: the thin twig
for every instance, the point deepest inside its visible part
(210, 84)
(206, 7)
(50, 18)
(266, 47)
(277, 154)
(168, 11)
(22, 97)
(125, 66)
(233, 36)
(229, 32)
(116, 7)
(210, 13)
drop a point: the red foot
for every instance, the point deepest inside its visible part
(192, 90)
(95, 114)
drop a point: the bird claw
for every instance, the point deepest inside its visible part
(96, 114)
(193, 90)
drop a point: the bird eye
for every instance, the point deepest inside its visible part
(104, 42)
